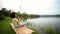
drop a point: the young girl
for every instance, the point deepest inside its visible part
(16, 21)
(20, 24)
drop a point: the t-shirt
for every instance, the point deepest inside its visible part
(14, 21)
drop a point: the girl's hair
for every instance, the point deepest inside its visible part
(13, 15)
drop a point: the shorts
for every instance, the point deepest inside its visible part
(19, 25)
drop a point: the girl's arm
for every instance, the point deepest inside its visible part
(17, 21)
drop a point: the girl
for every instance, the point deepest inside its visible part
(16, 21)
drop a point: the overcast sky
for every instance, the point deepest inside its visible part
(40, 7)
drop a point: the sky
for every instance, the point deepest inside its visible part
(41, 7)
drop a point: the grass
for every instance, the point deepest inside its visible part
(5, 27)
(50, 30)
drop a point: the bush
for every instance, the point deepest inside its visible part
(1, 17)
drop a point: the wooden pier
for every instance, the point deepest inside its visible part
(21, 30)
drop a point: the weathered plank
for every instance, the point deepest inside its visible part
(21, 30)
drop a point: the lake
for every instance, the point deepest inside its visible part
(41, 22)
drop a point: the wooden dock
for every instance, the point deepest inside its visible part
(21, 30)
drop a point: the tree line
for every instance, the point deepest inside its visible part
(24, 15)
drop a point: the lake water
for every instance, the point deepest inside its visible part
(53, 22)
